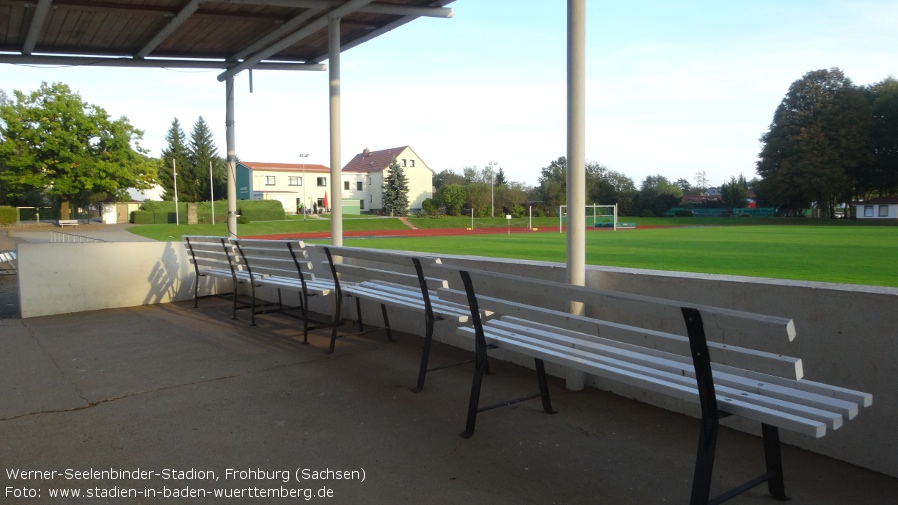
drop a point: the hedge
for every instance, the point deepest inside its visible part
(8, 215)
(250, 210)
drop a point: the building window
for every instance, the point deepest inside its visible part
(411, 163)
(294, 180)
(322, 182)
(403, 162)
(269, 180)
(345, 185)
(868, 211)
(362, 204)
(883, 211)
(358, 185)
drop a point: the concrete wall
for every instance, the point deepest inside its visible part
(846, 333)
(75, 277)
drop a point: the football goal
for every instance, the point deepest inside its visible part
(602, 216)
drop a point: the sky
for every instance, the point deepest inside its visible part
(673, 88)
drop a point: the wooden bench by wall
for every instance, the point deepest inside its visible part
(396, 280)
(696, 363)
(282, 264)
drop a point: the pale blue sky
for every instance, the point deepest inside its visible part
(673, 87)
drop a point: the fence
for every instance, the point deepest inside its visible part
(59, 237)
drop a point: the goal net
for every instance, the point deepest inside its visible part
(601, 216)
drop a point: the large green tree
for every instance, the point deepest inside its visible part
(174, 158)
(395, 191)
(203, 156)
(817, 144)
(53, 142)
(881, 178)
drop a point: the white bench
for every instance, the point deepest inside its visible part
(216, 257)
(8, 262)
(62, 223)
(619, 340)
(396, 280)
(282, 264)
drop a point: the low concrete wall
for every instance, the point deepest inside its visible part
(76, 277)
(845, 332)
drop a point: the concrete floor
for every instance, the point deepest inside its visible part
(173, 387)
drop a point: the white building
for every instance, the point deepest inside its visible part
(363, 177)
(289, 183)
(878, 208)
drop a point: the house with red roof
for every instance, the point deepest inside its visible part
(291, 184)
(363, 177)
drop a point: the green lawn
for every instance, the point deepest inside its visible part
(855, 255)
(839, 251)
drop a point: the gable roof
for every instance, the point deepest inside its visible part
(283, 167)
(377, 161)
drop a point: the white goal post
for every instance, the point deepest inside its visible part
(562, 212)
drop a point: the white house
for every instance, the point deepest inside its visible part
(289, 183)
(878, 208)
(363, 177)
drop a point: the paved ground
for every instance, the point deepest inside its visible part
(169, 387)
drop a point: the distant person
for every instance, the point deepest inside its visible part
(314, 208)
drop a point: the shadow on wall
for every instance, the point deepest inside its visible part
(165, 279)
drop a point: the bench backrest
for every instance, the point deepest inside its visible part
(356, 264)
(211, 252)
(280, 258)
(512, 297)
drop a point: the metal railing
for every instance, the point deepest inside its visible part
(62, 237)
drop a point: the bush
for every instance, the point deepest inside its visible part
(8, 215)
(429, 206)
(250, 210)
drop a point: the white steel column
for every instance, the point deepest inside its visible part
(336, 197)
(576, 157)
(232, 158)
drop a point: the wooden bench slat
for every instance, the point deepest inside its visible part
(781, 398)
(653, 381)
(641, 307)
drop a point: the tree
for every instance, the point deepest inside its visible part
(553, 183)
(203, 156)
(818, 142)
(500, 178)
(176, 151)
(735, 193)
(395, 191)
(657, 195)
(453, 197)
(701, 181)
(881, 178)
(53, 142)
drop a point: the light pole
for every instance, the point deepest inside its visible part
(303, 158)
(174, 173)
(492, 178)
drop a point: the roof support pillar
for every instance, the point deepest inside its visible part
(333, 66)
(232, 157)
(576, 158)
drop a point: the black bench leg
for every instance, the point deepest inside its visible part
(337, 312)
(474, 401)
(773, 457)
(358, 310)
(543, 385)
(425, 352)
(383, 310)
(304, 310)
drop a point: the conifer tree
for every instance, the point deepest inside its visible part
(176, 151)
(395, 191)
(200, 153)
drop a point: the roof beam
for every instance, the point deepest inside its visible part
(305, 31)
(105, 61)
(374, 7)
(276, 35)
(378, 32)
(37, 24)
(172, 25)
